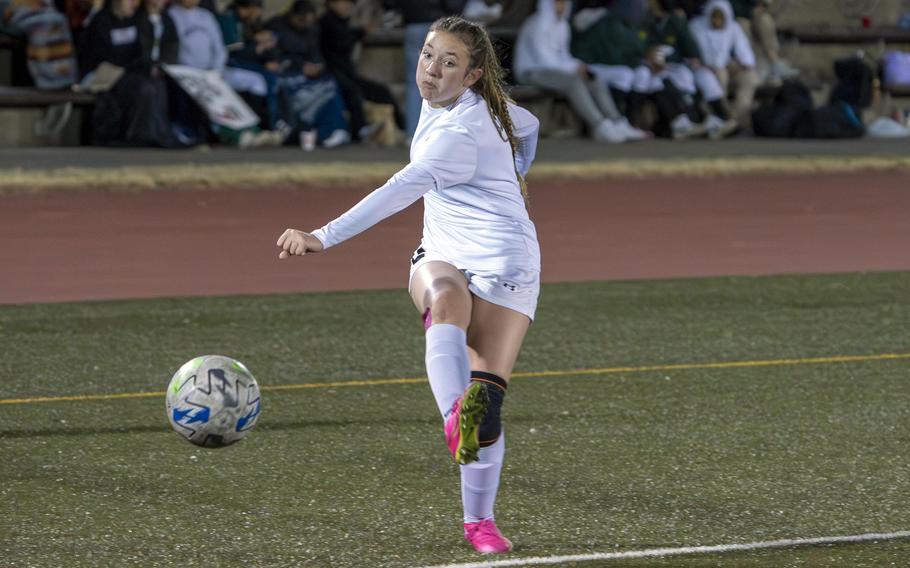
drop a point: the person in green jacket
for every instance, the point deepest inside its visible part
(672, 55)
(610, 49)
(667, 28)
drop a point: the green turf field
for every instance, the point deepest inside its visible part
(624, 431)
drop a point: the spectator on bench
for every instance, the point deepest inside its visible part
(338, 39)
(757, 21)
(249, 50)
(158, 34)
(610, 49)
(202, 47)
(49, 51)
(671, 54)
(134, 110)
(201, 43)
(726, 51)
(542, 58)
(313, 95)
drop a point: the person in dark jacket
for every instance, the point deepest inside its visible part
(253, 60)
(134, 111)
(338, 38)
(158, 35)
(313, 94)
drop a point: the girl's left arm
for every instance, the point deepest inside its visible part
(527, 128)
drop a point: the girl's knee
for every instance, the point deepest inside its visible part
(449, 303)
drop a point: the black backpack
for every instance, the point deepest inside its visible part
(779, 118)
(854, 83)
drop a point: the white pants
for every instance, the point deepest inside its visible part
(591, 99)
(245, 81)
(619, 77)
(702, 80)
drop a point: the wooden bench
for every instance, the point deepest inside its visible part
(552, 109)
(34, 117)
(823, 34)
(31, 97)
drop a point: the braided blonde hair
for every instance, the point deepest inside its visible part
(490, 85)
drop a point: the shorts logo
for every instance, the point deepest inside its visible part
(509, 286)
(418, 254)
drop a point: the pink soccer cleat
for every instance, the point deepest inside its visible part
(463, 424)
(486, 538)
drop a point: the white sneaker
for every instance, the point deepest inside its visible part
(367, 131)
(246, 139)
(683, 128)
(781, 70)
(608, 131)
(631, 133)
(719, 128)
(339, 137)
(271, 138)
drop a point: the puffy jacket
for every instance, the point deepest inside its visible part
(608, 41)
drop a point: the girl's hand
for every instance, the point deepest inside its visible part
(294, 242)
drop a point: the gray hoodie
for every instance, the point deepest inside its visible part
(544, 40)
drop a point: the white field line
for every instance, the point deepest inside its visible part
(680, 551)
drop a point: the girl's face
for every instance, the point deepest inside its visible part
(442, 69)
(189, 4)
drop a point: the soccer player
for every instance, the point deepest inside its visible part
(475, 277)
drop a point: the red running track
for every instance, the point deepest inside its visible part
(105, 245)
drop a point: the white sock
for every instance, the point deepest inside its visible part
(480, 482)
(448, 366)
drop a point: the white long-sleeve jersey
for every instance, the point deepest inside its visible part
(474, 213)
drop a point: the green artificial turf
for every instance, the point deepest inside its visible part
(357, 474)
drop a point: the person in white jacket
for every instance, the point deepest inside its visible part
(542, 58)
(475, 277)
(726, 50)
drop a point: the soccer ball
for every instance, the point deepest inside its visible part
(213, 401)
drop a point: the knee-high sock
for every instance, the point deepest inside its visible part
(447, 362)
(480, 482)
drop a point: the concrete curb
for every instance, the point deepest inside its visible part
(254, 175)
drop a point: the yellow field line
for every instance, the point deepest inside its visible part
(533, 374)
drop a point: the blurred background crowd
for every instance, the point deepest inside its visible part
(183, 73)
